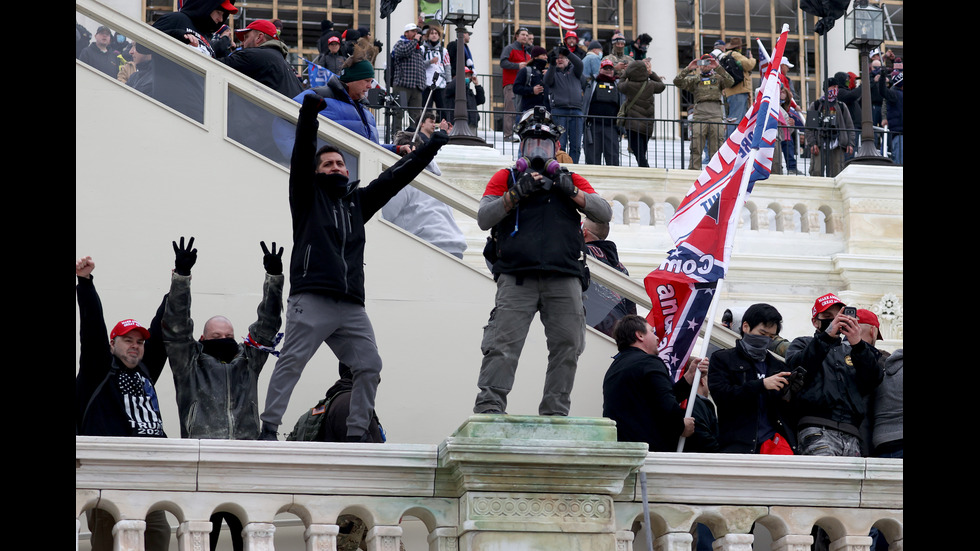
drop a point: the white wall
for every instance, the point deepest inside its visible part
(171, 177)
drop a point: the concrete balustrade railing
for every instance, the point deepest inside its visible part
(499, 482)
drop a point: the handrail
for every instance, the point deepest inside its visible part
(436, 186)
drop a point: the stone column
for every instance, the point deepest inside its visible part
(624, 540)
(258, 536)
(384, 538)
(443, 539)
(896, 545)
(536, 482)
(127, 535)
(851, 543)
(674, 541)
(793, 542)
(321, 537)
(193, 535)
(733, 542)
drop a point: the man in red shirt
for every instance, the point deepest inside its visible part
(537, 253)
(512, 59)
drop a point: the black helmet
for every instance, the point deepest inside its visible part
(539, 136)
(537, 122)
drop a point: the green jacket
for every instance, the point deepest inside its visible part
(707, 90)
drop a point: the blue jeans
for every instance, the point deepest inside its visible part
(737, 104)
(571, 139)
(897, 148)
(788, 148)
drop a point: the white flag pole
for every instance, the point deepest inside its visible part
(709, 323)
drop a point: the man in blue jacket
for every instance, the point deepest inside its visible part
(326, 271)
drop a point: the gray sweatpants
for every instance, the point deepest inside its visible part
(312, 319)
(559, 300)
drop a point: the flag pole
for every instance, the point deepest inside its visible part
(704, 350)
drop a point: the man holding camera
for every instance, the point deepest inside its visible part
(706, 80)
(829, 133)
(841, 371)
(537, 253)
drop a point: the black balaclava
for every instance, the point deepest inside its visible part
(224, 350)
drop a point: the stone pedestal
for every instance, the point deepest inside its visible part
(533, 482)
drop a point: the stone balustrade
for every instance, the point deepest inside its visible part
(499, 482)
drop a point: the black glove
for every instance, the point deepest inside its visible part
(379, 45)
(184, 258)
(564, 51)
(439, 138)
(525, 185)
(272, 259)
(565, 184)
(313, 102)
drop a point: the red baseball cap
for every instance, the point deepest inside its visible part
(825, 302)
(333, 39)
(125, 326)
(229, 6)
(606, 63)
(262, 25)
(571, 34)
(869, 317)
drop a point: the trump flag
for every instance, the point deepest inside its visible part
(703, 226)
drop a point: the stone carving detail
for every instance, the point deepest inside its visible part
(891, 317)
(591, 508)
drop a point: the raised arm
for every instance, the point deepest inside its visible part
(263, 334)
(177, 325)
(94, 360)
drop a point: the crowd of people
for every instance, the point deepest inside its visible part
(597, 107)
(832, 393)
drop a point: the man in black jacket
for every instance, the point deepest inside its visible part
(637, 391)
(841, 371)
(114, 393)
(326, 271)
(749, 384)
(194, 24)
(263, 57)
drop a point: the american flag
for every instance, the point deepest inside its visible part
(704, 224)
(561, 13)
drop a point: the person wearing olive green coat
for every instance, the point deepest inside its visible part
(705, 79)
(638, 85)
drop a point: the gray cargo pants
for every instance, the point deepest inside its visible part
(559, 300)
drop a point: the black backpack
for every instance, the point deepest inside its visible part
(733, 67)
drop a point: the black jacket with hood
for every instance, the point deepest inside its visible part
(173, 84)
(328, 227)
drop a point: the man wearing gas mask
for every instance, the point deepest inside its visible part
(537, 254)
(326, 270)
(841, 371)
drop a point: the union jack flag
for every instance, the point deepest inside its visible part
(703, 226)
(561, 13)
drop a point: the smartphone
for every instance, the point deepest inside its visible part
(851, 311)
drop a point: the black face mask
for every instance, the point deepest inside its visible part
(539, 64)
(224, 350)
(824, 324)
(335, 185)
(755, 346)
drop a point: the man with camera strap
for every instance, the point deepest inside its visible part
(537, 253)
